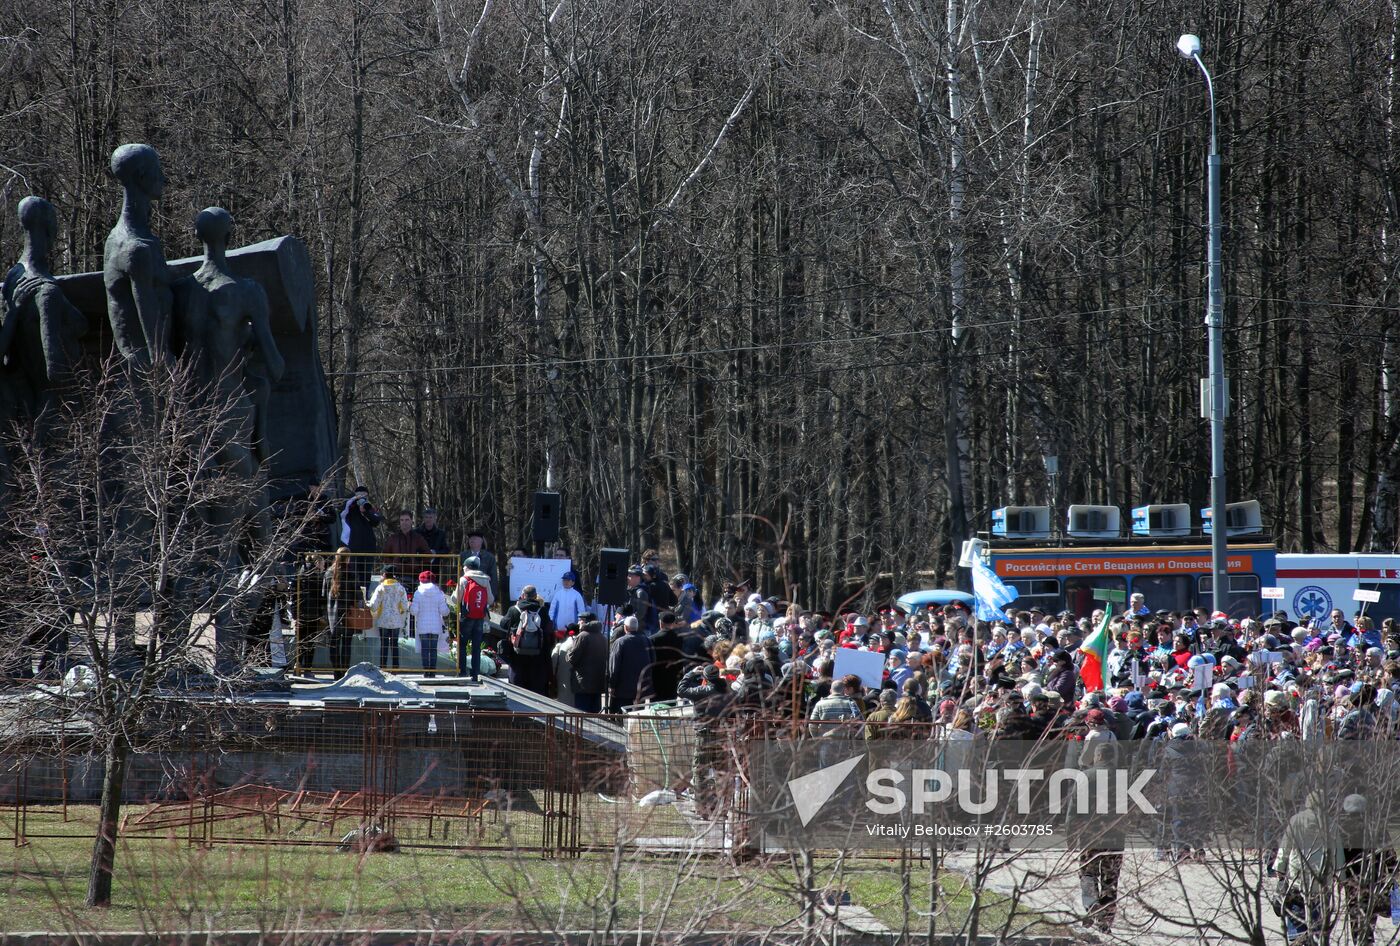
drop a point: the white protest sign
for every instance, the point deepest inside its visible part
(1364, 594)
(1264, 663)
(1271, 594)
(543, 573)
(1203, 676)
(869, 665)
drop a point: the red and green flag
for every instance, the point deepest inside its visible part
(1094, 670)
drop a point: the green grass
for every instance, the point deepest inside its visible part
(166, 884)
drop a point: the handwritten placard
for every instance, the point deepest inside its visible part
(543, 573)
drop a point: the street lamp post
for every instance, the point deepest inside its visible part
(1189, 46)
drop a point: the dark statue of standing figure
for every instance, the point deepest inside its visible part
(234, 325)
(245, 318)
(224, 323)
(41, 330)
(256, 316)
(139, 300)
(239, 328)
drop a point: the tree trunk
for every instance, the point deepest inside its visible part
(956, 421)
(1306, 488)
(1346, 455)
(104, 846)
(350, 332)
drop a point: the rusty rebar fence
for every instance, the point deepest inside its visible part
(557, 785)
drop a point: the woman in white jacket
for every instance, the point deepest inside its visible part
(429, 609)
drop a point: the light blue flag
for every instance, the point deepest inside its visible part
(991, 592)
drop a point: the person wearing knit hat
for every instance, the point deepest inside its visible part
(429, 610)
(876, 722)
(899, 669)
(1096, 718)
(1386, 706)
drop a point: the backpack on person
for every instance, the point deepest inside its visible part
(528, 639)
(474, 600)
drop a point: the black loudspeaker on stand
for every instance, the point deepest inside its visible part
(548, 512)
(612, 576)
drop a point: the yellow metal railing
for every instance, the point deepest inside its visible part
(334, 635)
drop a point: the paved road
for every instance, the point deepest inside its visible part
(1159, 903)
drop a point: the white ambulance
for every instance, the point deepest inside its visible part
(1315, 584)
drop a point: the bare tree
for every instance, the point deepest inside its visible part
(136, 539)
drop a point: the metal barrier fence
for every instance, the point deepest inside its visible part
(557, 785)
(336, 631)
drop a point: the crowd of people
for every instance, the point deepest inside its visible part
(1168, 675)
(1165, 675)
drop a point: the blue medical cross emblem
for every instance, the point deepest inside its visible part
(1312, 602)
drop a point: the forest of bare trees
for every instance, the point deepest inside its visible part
(798, 289)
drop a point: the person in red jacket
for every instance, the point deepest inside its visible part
(1181, 652)
(405, 542)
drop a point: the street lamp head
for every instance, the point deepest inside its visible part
(1189, 45)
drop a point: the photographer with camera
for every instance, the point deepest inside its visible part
(358, 520)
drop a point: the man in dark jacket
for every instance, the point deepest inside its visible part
(640, 601)
(1061, 676)
(309, 610)
(631, 657)
(669, 657)
(693, 637)
(651, 564)
(658, 588)
(476, 546)
(1043, 712)
(731, 624)
(705, 688)
(529, 641)
(358, 520)
(432, 533)
(589, 662)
